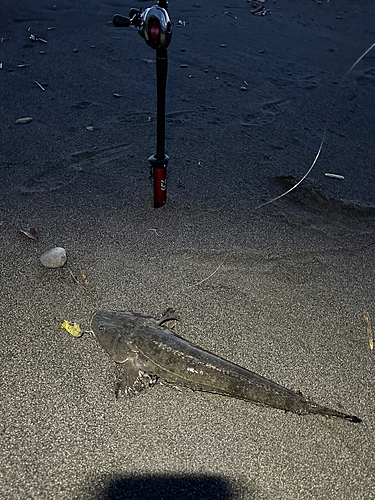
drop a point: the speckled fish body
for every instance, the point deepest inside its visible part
(150, 352)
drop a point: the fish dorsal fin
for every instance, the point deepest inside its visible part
(168, 315)
(132, 379)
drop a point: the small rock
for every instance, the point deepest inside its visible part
(27, 119)
(75, 50)
(90, 128)
(56, 257)
(116, 94)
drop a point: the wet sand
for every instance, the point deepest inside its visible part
(287, 283)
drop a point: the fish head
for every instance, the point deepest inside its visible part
(116, 333)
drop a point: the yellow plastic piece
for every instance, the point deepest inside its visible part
(73, 329)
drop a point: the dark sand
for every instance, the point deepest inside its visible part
(297, 275)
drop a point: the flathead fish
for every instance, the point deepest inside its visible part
(149, 352)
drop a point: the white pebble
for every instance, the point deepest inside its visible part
(27, 119)
(56, 257)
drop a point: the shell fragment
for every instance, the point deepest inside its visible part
(335, 176)
(27, 119)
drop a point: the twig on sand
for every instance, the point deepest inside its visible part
(299, 182)
(208, 277)
(335, 176)
(39, 85)
(364, 246)
(360, 58)
(366, 317)
(35, 38)
(76, 280)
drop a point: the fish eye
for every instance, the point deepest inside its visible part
(101, 327)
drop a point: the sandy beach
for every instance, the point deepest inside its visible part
(279, 288)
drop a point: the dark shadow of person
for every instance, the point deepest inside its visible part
(166, 487)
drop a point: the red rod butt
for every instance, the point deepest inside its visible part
(159, 168)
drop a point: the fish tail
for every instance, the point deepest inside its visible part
(329, 412)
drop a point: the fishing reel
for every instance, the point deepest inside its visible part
(153, 24)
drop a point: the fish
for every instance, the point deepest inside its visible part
(149, 352)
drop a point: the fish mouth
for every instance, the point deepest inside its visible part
(94, 323)
(111, 334)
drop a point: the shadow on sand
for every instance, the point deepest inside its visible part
(167, 488)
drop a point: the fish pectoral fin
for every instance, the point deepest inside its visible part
(131, 379)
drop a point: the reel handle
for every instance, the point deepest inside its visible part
(135, 19)
(121, 21)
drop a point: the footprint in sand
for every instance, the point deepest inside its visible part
(82, 104)
(367, 77)
(304, 82)
(266, 114)
(55, 178)
(50, 180)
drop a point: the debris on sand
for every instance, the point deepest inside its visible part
(335, 176)
(366, 317)
(35, 38)
(39, 85)
(258, 8)
(85, 280)
(27, 119)
(30, 233)
(73, 328)
(299, 182)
